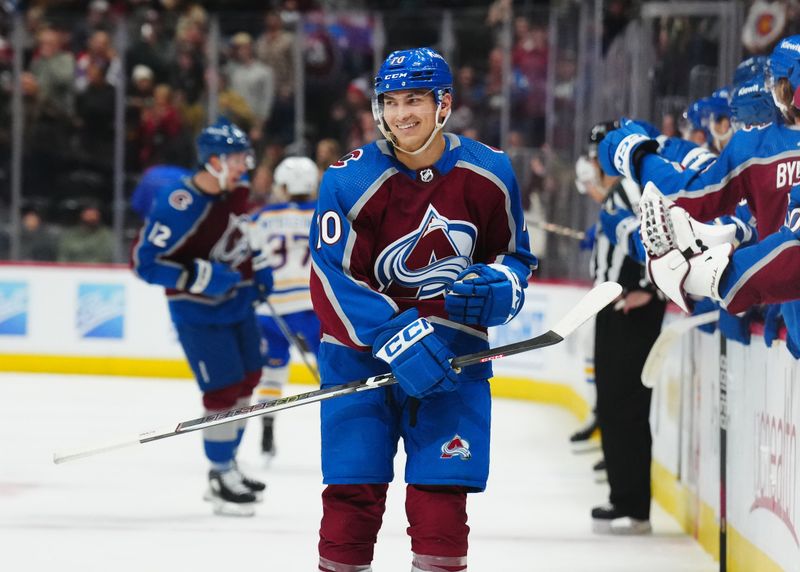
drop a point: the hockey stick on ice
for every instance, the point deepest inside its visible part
(594, 301)
(296, 340)
(666, 340)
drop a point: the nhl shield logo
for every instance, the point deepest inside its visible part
(426, 175)
(456, 447)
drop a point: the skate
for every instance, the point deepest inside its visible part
(255, 486)
(582, 441)
(608, 519)
(229, 495)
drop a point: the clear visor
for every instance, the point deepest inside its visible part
(244, 159)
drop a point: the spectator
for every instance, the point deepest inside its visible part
(50, 89)
(233, 106)
(150, 50)
(98, 19)
(187, 77)
(159, 129)
(253, 80)
(89, 241)
(328, 152)
(274, 48)
(141, 92)
(95, 116)
(99, 52)
(53, 71)
(38, 241)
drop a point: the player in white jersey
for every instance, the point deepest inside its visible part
(283, 230)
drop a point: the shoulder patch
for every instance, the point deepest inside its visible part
(180, 199)
(354, 155)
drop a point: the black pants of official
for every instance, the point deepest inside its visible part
(622, 342)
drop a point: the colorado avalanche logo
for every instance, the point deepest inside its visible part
(428, 259)
(456, 447)
(180, 199)
(232, 248)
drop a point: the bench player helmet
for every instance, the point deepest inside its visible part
(749, 68)
(419, 68)
(300, 175)
(706, 114)
(751, 104)
(221, 139)
(784, 63)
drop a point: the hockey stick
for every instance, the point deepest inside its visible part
(296, 340)
(556, 229)
(666, 340)
(594, 301)
(723, 453)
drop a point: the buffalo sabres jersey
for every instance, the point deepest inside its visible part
(283, 230)
(386, 238)
(185, 224)
(759, 164)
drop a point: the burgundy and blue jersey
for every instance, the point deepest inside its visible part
(386, 238)
(759, 164)
(184, 224)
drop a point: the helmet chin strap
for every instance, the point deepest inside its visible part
(387, 132)
(220, 175)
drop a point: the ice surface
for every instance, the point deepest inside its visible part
(141, 509)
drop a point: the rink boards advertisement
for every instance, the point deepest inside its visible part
(103, 320)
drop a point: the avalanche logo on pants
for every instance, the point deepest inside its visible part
(456, 447)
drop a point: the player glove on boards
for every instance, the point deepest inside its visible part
(211, 278)
(262, 274)
(621, 150)
(683, 256)
(491, 298)
(418, 358)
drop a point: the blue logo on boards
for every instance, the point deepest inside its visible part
(13, 308)
(101, 311)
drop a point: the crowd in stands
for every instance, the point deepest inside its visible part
(73, 64)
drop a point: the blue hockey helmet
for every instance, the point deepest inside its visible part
(752, 104)
(748, 69)
(784, 62)
(221, 138)
(705, 115)
(418, 68)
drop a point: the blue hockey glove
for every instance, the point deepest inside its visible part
(772, 323)
(262, 274)
(621, 150)
(491, 298)
(211, 278)
(418, 358)
(734, 327)
(703, 306)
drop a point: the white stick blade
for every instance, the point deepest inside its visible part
(75, 454)
(668, 337)
(598, 298)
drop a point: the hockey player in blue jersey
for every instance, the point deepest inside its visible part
(761, 164)
(282, 230)
(418, 245)
(195, 244)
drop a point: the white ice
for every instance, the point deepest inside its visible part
(141, 509)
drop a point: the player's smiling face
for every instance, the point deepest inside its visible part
(411, 116)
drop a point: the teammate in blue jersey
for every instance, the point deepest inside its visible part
(282, 229)
(195, 244)
(418, 245)
(152, 180)
(761, 164)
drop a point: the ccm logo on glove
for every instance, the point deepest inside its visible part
(403, 339)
